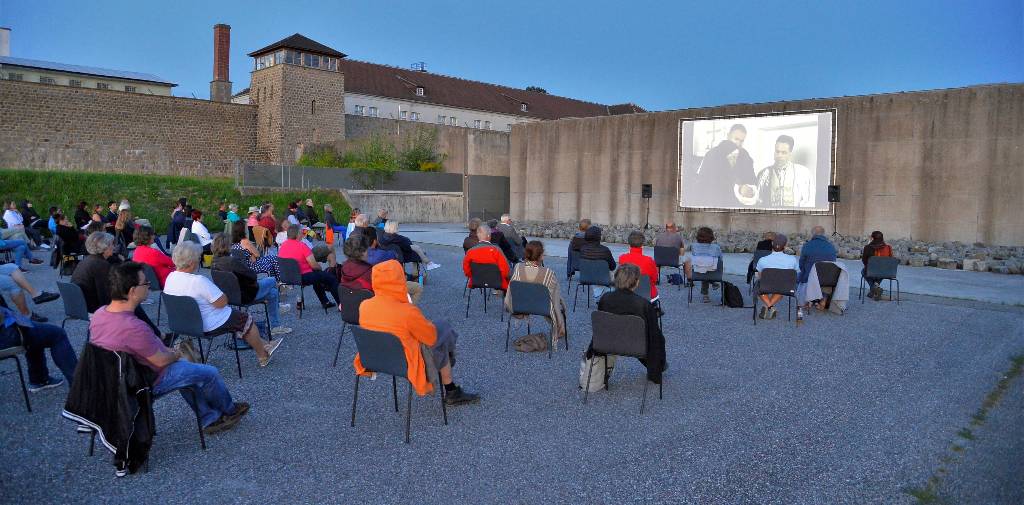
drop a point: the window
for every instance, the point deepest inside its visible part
(360, 110)
(440, 119)
(403, 115)
(508, 127)
(292, 58)
(476, 123)
(487, 125)
(74, 83)
(522, 106)
(15, 77)
(329, 63)
(130, 89)
(373, 112)
(46, 80)
(312, 108)
(420, 91)
(311, 60)
(452, 121)
(102, 85)
(415, 116)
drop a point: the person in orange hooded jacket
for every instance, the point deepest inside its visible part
(486, 252)
(391, 311)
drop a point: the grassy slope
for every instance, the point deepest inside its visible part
(152, 196)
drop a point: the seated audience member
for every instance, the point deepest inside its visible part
(311, 212)
(877, 247)
(623, 300)
(149, 255)
(81, 215)
(486, 253)
(177, 221)
(517, 242)
(36, 338)
(382, 219)
(93, 274)
(374, 253)
(411, 253)
(213, 303)
(532, 270)
(233, 213)
(329, 217)
(52, 223)
(20, 250)
(254, 289)
(702, 258)
(312, 273)
(471, 239)
(592, 249)
(577, 241)
(261, 263)
(199, 230)
(670, 237)
(222, 211)
(360, 225)
(293, 215)
(390, 311)
(765, 244)
(253, 217)
(498, 239)
(16, 227)
(267, 217)
(124, 226)
(14, 284)
(111, 215)
(818, 248)
(355, 272)
(70, 237)
(646, 264)
(33, 222)
(351, 222)
(115, 328)
(777, 259)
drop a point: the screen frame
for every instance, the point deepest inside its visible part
(832, 172)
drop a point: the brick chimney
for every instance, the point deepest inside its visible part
(220, 86)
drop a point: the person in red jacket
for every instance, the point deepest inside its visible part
(486, 252)
(635, 256)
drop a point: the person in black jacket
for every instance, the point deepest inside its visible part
(82, 216)
(498, 238)
(254, 290)
(624, 301)
(93, 275)
(592, 249)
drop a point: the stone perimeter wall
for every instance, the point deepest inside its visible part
(938, 166)
(48, 127)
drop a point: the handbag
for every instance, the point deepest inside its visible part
(534, 342)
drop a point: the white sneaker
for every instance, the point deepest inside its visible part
(44, 246)
(284, 307)
(280, 330)
(432, 266)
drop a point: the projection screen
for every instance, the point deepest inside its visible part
(776, 163)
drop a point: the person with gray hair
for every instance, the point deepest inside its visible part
(780, 260)
(217, 316)
(251, 287)
(92, 275)
(515, 241)
(361, 224)
(484, 252)
(410, 252)
(623, 300)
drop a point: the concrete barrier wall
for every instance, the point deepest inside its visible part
(937, 165)
(410, 206)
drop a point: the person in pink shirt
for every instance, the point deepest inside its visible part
(312, 273)
(146, 253)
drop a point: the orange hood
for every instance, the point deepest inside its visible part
(388, 280)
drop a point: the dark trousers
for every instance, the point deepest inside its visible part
(36, 340)
(321, 282)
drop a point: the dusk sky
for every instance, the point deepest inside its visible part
(660, 55)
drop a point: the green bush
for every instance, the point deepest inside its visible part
(420, 152)
(374, 160)
(152, 196)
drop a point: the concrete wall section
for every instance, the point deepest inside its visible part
(410, 206)
(63, 128)
(935, 165)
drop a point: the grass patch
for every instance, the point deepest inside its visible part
(152, 196)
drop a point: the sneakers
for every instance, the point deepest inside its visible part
(459, 397)
(432, 266)
(706, 299)
(799, 314)
(36, 318)
(280, 330)
(35, 261)
(228, 421)
(271, 347)
(764, 311)
(771, 313)
(51, 382)
(330, 305)
(44, 246)
(44, 297)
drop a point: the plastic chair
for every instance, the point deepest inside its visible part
(483, 276)
(882, 268)
(667, 257)
(184, 318)
(290, 275)
(383, 353)
(592, 273)
(154, 286)
(532, 299)
(351, 299)
(621, 335)
(228, 283)
(712, 276)
(828, 276)
(13, 353)
(752, 267)
(75, 307)
(776, 281)
(644, 290)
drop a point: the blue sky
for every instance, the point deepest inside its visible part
(660, 55)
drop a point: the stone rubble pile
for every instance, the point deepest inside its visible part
(976, 257)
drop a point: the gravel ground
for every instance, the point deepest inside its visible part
(851, 409)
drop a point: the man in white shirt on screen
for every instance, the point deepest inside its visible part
(785, 184)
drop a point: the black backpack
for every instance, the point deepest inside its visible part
(732, 296)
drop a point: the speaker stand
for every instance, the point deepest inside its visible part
(647, 220)
(835, 221)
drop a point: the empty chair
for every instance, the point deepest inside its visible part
(712, 276)
(531, 299)
(75, 307)
(351, 299)
(12, 353)
(154, 286)
(592, 273)
(881, 268)
(383, 353)
(620, 335)
(184, 318)
(483, 276)
(776, 281)
(228, 283)
(667, 257)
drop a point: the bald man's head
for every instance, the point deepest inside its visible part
(818, 230)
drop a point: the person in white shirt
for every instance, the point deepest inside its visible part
(199, 230)
(213, 303)
(16, 229)
(777, 259)
(785, 184)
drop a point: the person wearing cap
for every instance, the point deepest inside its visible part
(780, 260)
(253, 217)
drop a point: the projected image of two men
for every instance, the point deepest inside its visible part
(781, 163)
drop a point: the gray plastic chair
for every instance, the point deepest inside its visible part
(667, 257)
(383, 353)
(882, 268)
(592, 273)
(13, 353)
(154, 286)
(290, 275)
(532, 299)
(228, 283)
(184, 318)
(776, 281)
(712, 276)
(621, 335)
(483, 276)
(351, 299)
(644, 291)
(75, 307)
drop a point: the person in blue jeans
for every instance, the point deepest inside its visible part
(252, 288)
(36, 338)
(20, 250)
(115, 327)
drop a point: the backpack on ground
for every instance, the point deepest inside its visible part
(731, 295)
(595, 366)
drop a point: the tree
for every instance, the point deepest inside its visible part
(537, 89)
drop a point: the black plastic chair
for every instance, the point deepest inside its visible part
(184, 318)
(483, 276)
(644, 290)
(383, 353)
(532, 299)
(712, 276)
(154, 286)
(228, 283)
(667, 257)
(290, 275)
(882, 268)
(572, 265)
(592, 273)
(752, 268)
(776, 281)
(75, 307)
(12, 353)
(621, 335)
(351, 299)
(828, 277)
